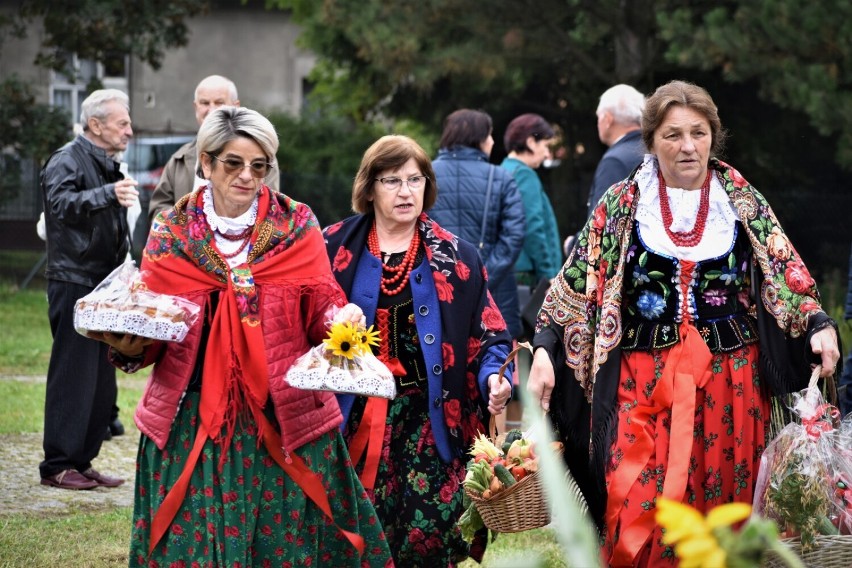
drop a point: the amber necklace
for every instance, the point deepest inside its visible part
(692, 237)
(398, 275)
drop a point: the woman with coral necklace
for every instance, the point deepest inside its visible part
(443, 338)
(681, 312)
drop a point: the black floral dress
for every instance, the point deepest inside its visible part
(417, 496)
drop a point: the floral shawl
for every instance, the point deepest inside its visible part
(582, 315)
(585, 299)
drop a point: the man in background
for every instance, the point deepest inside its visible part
(619, 122)
(85, 205)
(179, 174)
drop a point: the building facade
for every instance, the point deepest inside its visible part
(254, 47)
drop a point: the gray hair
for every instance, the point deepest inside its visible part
(217, 80)
(95, 105)
(228, 123)
(625, 103)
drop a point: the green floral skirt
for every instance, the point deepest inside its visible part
(250, 513)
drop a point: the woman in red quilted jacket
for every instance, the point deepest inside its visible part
(235, 467)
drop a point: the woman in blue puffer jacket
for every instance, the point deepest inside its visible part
(480, 203)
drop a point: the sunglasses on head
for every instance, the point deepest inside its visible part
(257, 168)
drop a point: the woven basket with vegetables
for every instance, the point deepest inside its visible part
(502, 487)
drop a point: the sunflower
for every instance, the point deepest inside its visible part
(711, 542)
(369, 338)
(343, 339)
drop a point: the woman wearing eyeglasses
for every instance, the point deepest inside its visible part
(234, 466)
(443, 338)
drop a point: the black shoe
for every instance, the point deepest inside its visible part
(108, 434)
(116, 428)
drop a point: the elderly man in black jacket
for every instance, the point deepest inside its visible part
(85, 206)
(619, 121)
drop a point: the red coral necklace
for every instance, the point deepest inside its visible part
(692, 237)
(398, 275)
(244, 236)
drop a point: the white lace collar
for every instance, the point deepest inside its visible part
(228, 225)
(721, 217)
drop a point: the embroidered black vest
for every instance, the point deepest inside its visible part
(718, 299)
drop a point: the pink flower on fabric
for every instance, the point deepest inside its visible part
(798, 278)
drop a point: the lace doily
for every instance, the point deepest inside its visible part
(364, 375)
(122, 304)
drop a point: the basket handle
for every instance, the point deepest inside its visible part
(511, 356)
(492, 424)
(812, 384)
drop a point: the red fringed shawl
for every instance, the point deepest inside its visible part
(181, 257)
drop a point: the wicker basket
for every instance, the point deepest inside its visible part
(830, 552)
(523, 505)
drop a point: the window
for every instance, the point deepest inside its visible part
(68, 92)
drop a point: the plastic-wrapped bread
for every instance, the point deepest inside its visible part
(123, 304)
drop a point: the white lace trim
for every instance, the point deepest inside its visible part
(721, 217)
(229, 226)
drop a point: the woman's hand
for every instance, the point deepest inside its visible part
(499, 392)
(125, 343)
(824, 344)
(542, 378)
(351, 313)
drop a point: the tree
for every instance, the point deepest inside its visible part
(777, 69)
(95, 29)
(798, 53)
(28, 130)
(424, 58)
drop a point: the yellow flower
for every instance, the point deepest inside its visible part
(343, 339)
(369, 338)
(693, 536)
(728, 514)
(679, 521)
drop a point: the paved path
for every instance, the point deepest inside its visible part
(20, 488)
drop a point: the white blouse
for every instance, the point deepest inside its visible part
(721, 217)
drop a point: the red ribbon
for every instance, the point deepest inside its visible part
(821, 421)
(370, 436)
(687, 367)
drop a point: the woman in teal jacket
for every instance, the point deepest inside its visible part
(527, 140)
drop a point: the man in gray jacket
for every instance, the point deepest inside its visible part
(179, 174)
(85, 212)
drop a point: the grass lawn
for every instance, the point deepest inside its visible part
(99, 538)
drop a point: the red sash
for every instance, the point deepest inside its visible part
(687, 367)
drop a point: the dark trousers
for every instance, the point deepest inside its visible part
(81, 387)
